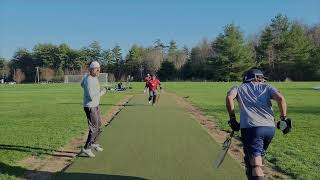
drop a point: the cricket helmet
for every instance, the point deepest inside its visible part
(253, 74)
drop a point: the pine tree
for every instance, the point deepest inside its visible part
(232, 56)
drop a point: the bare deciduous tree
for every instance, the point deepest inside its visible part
(84, 69)
(47, 74)
(314, 34)
(4, 69)
(153, 59)
(19, 76)
(201, 53)
(111, 77)
(205, 50)
(180, 60)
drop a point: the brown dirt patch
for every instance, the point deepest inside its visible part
(58, 160)
(218, 135)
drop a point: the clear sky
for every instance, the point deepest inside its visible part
(24, 23)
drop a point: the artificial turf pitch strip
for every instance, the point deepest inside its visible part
(154, 142)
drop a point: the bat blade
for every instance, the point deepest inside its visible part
(158, 97)
(222, 154)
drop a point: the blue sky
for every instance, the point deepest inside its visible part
(24, 23)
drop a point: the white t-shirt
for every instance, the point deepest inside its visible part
(91, 91)
(255, 104)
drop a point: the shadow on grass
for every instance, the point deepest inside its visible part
(305, 109)
(20, 172)
(37, 151)
(308, 89)
(106, 104)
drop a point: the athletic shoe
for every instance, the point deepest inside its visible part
(88, 152)
(97, 147)
(150, 102)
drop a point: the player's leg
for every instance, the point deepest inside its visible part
(154, 97)
(258, 140)
(256, 163)
(92, 132)
(97, 117)
(244, 137)
(150, 96)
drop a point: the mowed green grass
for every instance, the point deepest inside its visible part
(297, 153)
(37, 119)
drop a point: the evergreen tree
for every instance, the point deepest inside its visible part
(232, 56)
(296, 56)
(167, 71)
(134, 61)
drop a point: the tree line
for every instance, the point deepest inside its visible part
(284, 49)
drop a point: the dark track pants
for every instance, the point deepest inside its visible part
(94, 123)
(152, 95)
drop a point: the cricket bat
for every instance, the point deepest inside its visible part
(158, 97)
(222, 154)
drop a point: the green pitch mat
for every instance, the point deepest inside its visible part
(154, 142)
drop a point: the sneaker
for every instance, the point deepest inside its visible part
(97, 147)
(88, 152)
(150, 102)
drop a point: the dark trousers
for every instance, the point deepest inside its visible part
(152, 95)
(255, 143)
(94, 123)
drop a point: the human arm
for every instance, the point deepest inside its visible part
(146, 87)
(285, 123)
(160, 85)
(282, 104)
(103, 91)
(232, 94)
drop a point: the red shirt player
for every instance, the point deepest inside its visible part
(153, 86)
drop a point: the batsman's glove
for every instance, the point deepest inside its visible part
(284, 124)
(233, 123)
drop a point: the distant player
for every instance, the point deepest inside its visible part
(146, 79)
(153, 84)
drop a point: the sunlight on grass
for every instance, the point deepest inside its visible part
(38, 119)
(296, 153)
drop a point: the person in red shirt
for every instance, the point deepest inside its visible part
(153, 84)
(146, 79)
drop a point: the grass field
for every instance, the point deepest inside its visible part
(296, 153)
(37, 119)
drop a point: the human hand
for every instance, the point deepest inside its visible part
(233, 123)
(284, 124)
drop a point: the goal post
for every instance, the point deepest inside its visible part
(103, 78)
